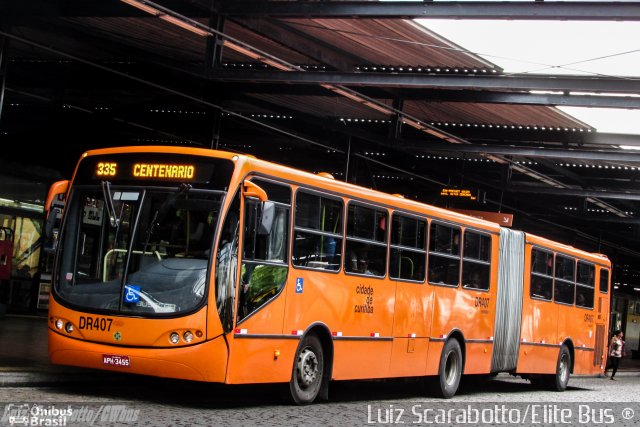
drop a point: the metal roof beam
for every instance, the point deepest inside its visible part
(481, 133)
(511, 82)
(444, 95)
(21, 12)
(602, 138)
(608, 156)
(521, 98)
(566, 11)
(576, 192)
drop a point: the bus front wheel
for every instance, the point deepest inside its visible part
(308, 370)
(450, 370)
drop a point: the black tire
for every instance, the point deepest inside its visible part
(308, 371)
(450, 370)
(563, 370)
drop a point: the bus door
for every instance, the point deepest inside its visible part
(407, 266)
(258, 337)
(6, 252)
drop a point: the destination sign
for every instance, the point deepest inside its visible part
(148, 170)
(458, 193)
(156, 168)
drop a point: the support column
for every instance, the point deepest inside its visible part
(4, 59)
(213, 61)
(395, 130)
(346, 172)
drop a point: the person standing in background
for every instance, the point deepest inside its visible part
(615, 351)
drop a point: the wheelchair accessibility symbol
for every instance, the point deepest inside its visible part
(299, 285)
(131, 294)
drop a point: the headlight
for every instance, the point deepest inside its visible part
(174, 338)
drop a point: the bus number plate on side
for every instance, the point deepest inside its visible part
(116, 360)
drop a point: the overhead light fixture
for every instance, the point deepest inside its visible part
(143, 7)
(182, 24)
(166, 17)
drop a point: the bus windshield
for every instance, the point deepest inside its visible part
(137, 250)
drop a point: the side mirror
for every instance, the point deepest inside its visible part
(51, 222)
(52, 212)
(251, 189)
(57, 188)
(266, 218)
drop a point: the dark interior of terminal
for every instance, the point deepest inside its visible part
(355, 89)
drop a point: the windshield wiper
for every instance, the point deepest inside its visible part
(108, 200)
(161, 212)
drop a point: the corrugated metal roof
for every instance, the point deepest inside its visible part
(389, 42)
(462, 112)
(381, 42)
(323, 106)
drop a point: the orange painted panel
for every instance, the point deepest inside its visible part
(408, 357)
(478, 358)
(253, 360)
(433, 358)
(360, 359)
(545, 321)
(412, 309)
(537, 359)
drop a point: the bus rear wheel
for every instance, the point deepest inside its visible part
(450, 370)
(308, 371)
(559, 380)
(563, 370)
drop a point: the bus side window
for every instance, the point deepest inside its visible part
(541, 285)
(366, 246)
(408, 248)
(585, 284)
(317, 232)
(564, 282)
(476, 264)
(604, 281)
(444, 255)
(265, 260)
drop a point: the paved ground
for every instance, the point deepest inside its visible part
(156, 402)
(24, 361)
(29, 385)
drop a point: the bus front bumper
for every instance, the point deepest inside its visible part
(206, 361)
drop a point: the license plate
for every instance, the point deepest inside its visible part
(116, 360)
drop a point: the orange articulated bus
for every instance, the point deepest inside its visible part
(302, 279)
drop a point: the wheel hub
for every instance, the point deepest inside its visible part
(564, 369)
(307, 367)
(451, 368)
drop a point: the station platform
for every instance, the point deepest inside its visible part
(24, 361)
